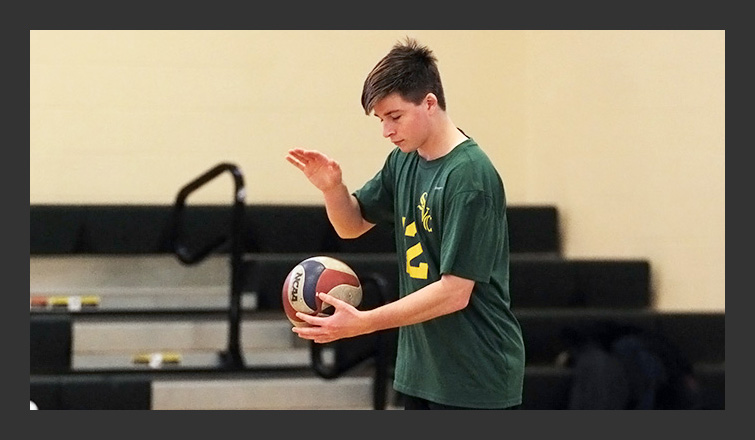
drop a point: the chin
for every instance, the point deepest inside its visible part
(404, 147)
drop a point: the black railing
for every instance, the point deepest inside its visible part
(232, 357)
(348, 353)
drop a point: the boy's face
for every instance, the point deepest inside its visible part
(404, 123)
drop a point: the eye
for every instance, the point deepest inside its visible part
(395, 118)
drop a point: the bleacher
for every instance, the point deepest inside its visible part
(119, 321)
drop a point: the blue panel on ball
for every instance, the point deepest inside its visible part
(312, 271)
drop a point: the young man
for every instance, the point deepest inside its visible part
(459, 344)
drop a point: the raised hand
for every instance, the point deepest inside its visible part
(324, 172)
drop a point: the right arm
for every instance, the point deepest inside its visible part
(341, 206)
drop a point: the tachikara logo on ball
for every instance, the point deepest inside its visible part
(314, 275)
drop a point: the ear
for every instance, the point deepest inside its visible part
(430, 102)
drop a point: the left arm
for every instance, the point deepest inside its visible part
(442, 297)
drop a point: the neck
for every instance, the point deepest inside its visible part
(445, 141)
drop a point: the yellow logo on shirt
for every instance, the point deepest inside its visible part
(419, 270)
(414, 267)
(425, 211)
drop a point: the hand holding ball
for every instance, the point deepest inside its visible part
(315, 275)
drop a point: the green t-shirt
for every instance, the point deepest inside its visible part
(449, 216)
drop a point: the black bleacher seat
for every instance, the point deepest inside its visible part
(700, 335)
(544, 330)
(712, 382)
(289, 229)
(379, 239)
(550, 283)
(616, 283)
(144, 229)
(546, 388)
(543, 283)
(534, 229)
(98, 229)
(557, 282)
(93, 391)
(45, 392)
(50, 343)
(136, 230)
(549, 387)
(56, 229)
(695, 338)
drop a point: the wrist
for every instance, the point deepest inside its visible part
(335, 190)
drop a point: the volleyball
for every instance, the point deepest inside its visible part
(312, 276)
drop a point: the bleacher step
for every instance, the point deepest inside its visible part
(189, 334)
(354, 392)
(195, 360)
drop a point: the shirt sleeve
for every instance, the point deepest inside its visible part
(471, 246)
(375, 197)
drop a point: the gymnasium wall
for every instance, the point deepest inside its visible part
(623, 131)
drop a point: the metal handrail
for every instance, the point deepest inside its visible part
(232, 357)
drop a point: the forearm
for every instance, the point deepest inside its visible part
(442, 297)
(445, 296)
(344, 213)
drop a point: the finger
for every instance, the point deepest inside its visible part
(332, 300)
(295, 162)
(314, 333)
(311, 319)
(333, 165)
(297, 154)
(303, 333)
(308, 155)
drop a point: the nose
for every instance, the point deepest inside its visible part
(388, 129)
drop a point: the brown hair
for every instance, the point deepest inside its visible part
(409, 69)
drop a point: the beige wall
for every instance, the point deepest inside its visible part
(623, 131)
